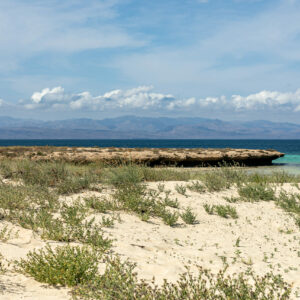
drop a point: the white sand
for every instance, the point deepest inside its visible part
(269, 241)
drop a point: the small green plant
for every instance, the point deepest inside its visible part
(224, 211)
(161, 187)
(101, 205)
(209, 208)
(2, 267)
(107, 221)
(189, 217)
(86, 232)
(170, 218)
(289, 202)
(66, 265)
(5, 234)
(232, 199)
(181, 189)
(171, 203)
(196, 186)
(237, 242)
(73, 214)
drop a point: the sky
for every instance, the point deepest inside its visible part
(232, 60)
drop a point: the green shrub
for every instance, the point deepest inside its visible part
(123, 175)
(75, 184)
(233, 173)
(107, 221)
(209, 208)
(86, 232)
(2, 267)
(66, 178)
(289, 202)
(17, 202)
(5, 234)
(214, 181)
(196, 186)
(224, 211)
(170, 218)
(181, 189)
(101, 205)
(119, 281)
(66, 265)
(256, 192)
(171, 203)
(189, 217)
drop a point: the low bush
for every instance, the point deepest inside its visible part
(289, 202)
(123, 175)
(169, 218)
(188, 216)
(66, 178)
(101, 205)
(224, 211)
(119, 281)
(214, 181)
(256, 192)
(196, 186)
(181, 189)
(65, 266)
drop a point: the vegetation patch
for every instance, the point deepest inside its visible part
(224, 211)
(256, 192)
(119, 281)
(189, 217)
(65, 266)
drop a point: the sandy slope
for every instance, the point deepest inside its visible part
(269, 240)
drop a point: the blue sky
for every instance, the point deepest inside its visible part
(233, 59)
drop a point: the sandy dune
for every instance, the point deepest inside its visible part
(263, 237)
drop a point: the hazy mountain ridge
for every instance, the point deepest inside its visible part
(130, 127)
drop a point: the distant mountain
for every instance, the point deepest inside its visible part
(131, 127)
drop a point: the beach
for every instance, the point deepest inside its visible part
(228, 227)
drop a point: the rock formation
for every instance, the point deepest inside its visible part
(149, 156)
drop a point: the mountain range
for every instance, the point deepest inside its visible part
(132, 127)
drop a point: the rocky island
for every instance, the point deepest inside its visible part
(149, 156)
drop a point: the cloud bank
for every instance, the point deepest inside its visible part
(144, 98)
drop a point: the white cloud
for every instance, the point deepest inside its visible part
(141, 98)
(268, 100)
(54, 94)
(144, 98)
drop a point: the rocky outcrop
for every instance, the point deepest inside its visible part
(149, 156)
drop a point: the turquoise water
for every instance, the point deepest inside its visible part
(291, 159)
(290, 163)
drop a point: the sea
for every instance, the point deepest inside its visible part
(289, 163)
